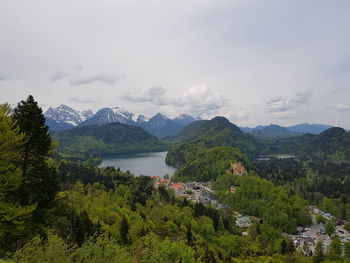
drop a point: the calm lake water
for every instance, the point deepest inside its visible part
(152, 164)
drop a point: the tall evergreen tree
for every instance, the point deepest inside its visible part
(189, 235)
(12, 215)
(318, 256)
(124, 231)
(39, 179)
(335, 249)
(347, 250)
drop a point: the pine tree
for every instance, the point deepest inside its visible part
(284, 247)
(124, 231)
(318, 256)
(39, 179)
(347, 250)
(12, 215)
(189, 235)
(335, 249)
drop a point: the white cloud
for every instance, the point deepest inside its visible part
(58, 76)
(343, 107)
(4, 76)
(107, 79)
(246, 49)
(81, 100)
(198, 100)
(155, 95)
(282, 105)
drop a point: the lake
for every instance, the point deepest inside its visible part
(151, 163)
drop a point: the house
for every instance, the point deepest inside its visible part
(164, 182)
(178, 187)
(233, 189)
(322, 228)
(238, 169)
(156, 178)
(243, 221)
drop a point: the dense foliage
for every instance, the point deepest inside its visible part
(216, 132)
(62, 211)
(200, 164)
(106, 140)
(333, 144)
(261, 198)
(323, 183)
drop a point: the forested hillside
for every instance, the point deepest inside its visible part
(105, 140)
(216, 132)
(56, 210)
(332, 144)
(196, 163)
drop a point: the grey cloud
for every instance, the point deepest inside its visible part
(109, 80)
(81, 100)
(337, 90)
(155, 95)
(58, 75)
(280, 104)
(198, 100)
(343, 107)
(4, 77)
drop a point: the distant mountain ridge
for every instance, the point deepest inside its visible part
(333, 144)
(109, 115)
(65, 118)
(309, 128)
(302, 128)
(218, 131)
(272, 131)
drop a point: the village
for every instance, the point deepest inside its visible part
(304, 241)
(202, 192)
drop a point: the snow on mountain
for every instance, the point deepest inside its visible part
(108, 115)
(65, 114)
(122, 113)
(64, 118)
(142, 119)
(184, 119)
(85, 115)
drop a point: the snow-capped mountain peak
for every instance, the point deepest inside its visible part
(65, 114)
(109, 115)
(85, 115)
(123, 113)
(159, 116)
(185, 119)
(142, 119)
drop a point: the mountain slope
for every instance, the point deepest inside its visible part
(215, 132)
(109, 115)
(272, 131)
(161, 126)
(104, 140)
(58, 125)
(64, 117)
(332, 144)
(309, 128)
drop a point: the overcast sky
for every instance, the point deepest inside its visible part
(253, 61)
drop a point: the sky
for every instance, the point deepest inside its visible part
(254, 62)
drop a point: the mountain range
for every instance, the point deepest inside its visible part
(65, 118)
(276, 131)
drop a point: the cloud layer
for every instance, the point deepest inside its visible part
(343, 107)
(198, 100)
(280, 104)
(245, 52)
